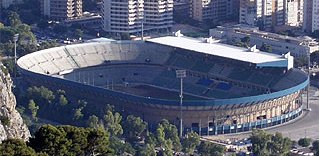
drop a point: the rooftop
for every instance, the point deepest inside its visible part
(221, 50)
(249, 30)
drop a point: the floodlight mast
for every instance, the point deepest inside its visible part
(181, 74)
(15, 39)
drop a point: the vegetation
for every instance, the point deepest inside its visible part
(208, 148)
(5, 120)
(265, 47)
(315, 147)
(268, 144)
(16, 147)
(304, 142)
(122, 135)
(244, 42)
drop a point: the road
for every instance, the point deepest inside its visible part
(305, 126)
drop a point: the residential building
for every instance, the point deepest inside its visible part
(129, 16)
(280, 44)
(61, 9)
(268, 14)
(307, 23)
(214, 10)
(88, 20)
(294, 13)
(315, 15)
(311, 15)
(7, 3)
(158, 14)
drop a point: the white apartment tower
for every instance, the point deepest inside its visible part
(158, 14)
(129, 16)
(294, 13)
(271, 13)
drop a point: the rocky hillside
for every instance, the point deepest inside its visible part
(11, 123)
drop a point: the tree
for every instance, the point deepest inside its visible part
(16, 147)
(77, 137)
(268, 144)
(315, 145)
(6, 34)
(33, 109)
(190, 142)
(63, 101)
(279, 145)
(70, 140)
(148, 150)
(171, 132)
(245, 40)
(304, 142)
(98, 142)
(260, 140)
(208, 148)
(78, 33)
(133, 128)
(113, 123)
(60, 29)
(120, 146)
(50, 140)
(43, 24)
(93, 122)
(78, 114)
(40, 94)
(48, 44)
(265, 47)
(14, 19)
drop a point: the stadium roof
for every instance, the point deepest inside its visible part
(223, 50)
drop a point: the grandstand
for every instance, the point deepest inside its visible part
(227, 89)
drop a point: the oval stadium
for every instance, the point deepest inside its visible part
(226, 89)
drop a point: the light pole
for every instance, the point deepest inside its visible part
(15, 39)
(308, 86)
(141, 18)
(181, 74)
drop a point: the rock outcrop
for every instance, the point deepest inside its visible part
(11, 123)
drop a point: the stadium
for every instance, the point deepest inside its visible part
(227, 89)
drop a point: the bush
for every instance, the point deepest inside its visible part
(304, 142)
(5, 120)
(315, 145)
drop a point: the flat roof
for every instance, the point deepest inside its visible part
(218, 49)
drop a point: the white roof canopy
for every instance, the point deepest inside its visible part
(222, 50)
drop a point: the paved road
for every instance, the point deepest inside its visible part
(307, 125)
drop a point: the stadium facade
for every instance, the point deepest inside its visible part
(227, 89)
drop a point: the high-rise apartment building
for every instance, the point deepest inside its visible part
(129, 16)
(214, 10)
(294, 13)
(311, 15)
(268, 14)
(158, 14)
(61, 9)
(315, 15)
(307, 22)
